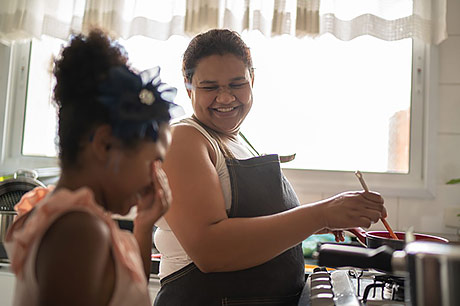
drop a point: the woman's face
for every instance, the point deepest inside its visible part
(129, 172)
(221, 92)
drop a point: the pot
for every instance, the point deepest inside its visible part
(431, 269)
(375, 239)
(11, 191)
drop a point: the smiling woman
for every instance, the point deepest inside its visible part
(230, 203)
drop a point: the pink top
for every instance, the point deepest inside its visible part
(23, 239)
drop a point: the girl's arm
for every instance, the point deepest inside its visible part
(74, 264)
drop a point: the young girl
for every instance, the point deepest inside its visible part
(113, 134)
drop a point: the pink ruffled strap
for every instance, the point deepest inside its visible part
(31, 198)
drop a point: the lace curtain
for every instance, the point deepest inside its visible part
(159, 19)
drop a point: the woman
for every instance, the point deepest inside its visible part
(113, 134)
(233, 233)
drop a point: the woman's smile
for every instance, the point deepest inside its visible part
(226, 111)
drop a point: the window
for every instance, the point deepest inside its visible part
(340, 106)
(337, 105)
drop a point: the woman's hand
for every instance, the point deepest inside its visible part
(154, 201)
(352, 209)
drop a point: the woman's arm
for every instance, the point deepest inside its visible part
(217, 243)
(74, 264)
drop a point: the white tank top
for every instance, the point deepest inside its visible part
(173, 256)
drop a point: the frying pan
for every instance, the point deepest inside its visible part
(375, 239)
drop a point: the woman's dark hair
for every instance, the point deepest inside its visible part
(94, 86)
(212, 42)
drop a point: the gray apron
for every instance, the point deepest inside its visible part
(259, 188)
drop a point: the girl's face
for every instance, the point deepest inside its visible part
(221, 92)
(129, 172)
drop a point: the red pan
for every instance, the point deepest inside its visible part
(374, 239)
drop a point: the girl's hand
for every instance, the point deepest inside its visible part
(154, 201)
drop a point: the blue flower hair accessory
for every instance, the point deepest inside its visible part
(137, 103)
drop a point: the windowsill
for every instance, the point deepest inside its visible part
(332, 182)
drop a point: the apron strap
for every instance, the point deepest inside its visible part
(214, 135)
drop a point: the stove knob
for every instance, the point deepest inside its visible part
(320, 282)
(319, 269)
(320, 275)
(322, 299)
(321, 289)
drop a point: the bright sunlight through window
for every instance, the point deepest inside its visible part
(337, 105)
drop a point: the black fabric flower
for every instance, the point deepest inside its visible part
(137, 103)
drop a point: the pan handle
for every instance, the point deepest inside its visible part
(336, 255)
(360, 234)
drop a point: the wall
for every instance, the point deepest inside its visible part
(427, 215)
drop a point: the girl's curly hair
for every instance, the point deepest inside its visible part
(79, 70)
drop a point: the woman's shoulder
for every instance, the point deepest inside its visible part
(187, 135)
(191, 127)
(189, 138)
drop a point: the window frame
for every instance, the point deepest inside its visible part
(13, 105)
(420, 182)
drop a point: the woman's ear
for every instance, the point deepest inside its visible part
(102, 142)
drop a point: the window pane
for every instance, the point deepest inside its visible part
(337, 105)
(40, 116)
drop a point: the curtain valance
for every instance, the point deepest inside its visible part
(160, 19)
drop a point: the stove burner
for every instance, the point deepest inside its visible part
(355, 274)
(370, 287)
(391, 287)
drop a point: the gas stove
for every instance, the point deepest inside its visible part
(351, 287)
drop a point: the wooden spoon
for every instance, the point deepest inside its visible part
(359, 175)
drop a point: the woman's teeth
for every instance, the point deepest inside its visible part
(225, 109)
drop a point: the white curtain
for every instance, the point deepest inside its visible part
(22, 19)
(159, 19)
(385, 19)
